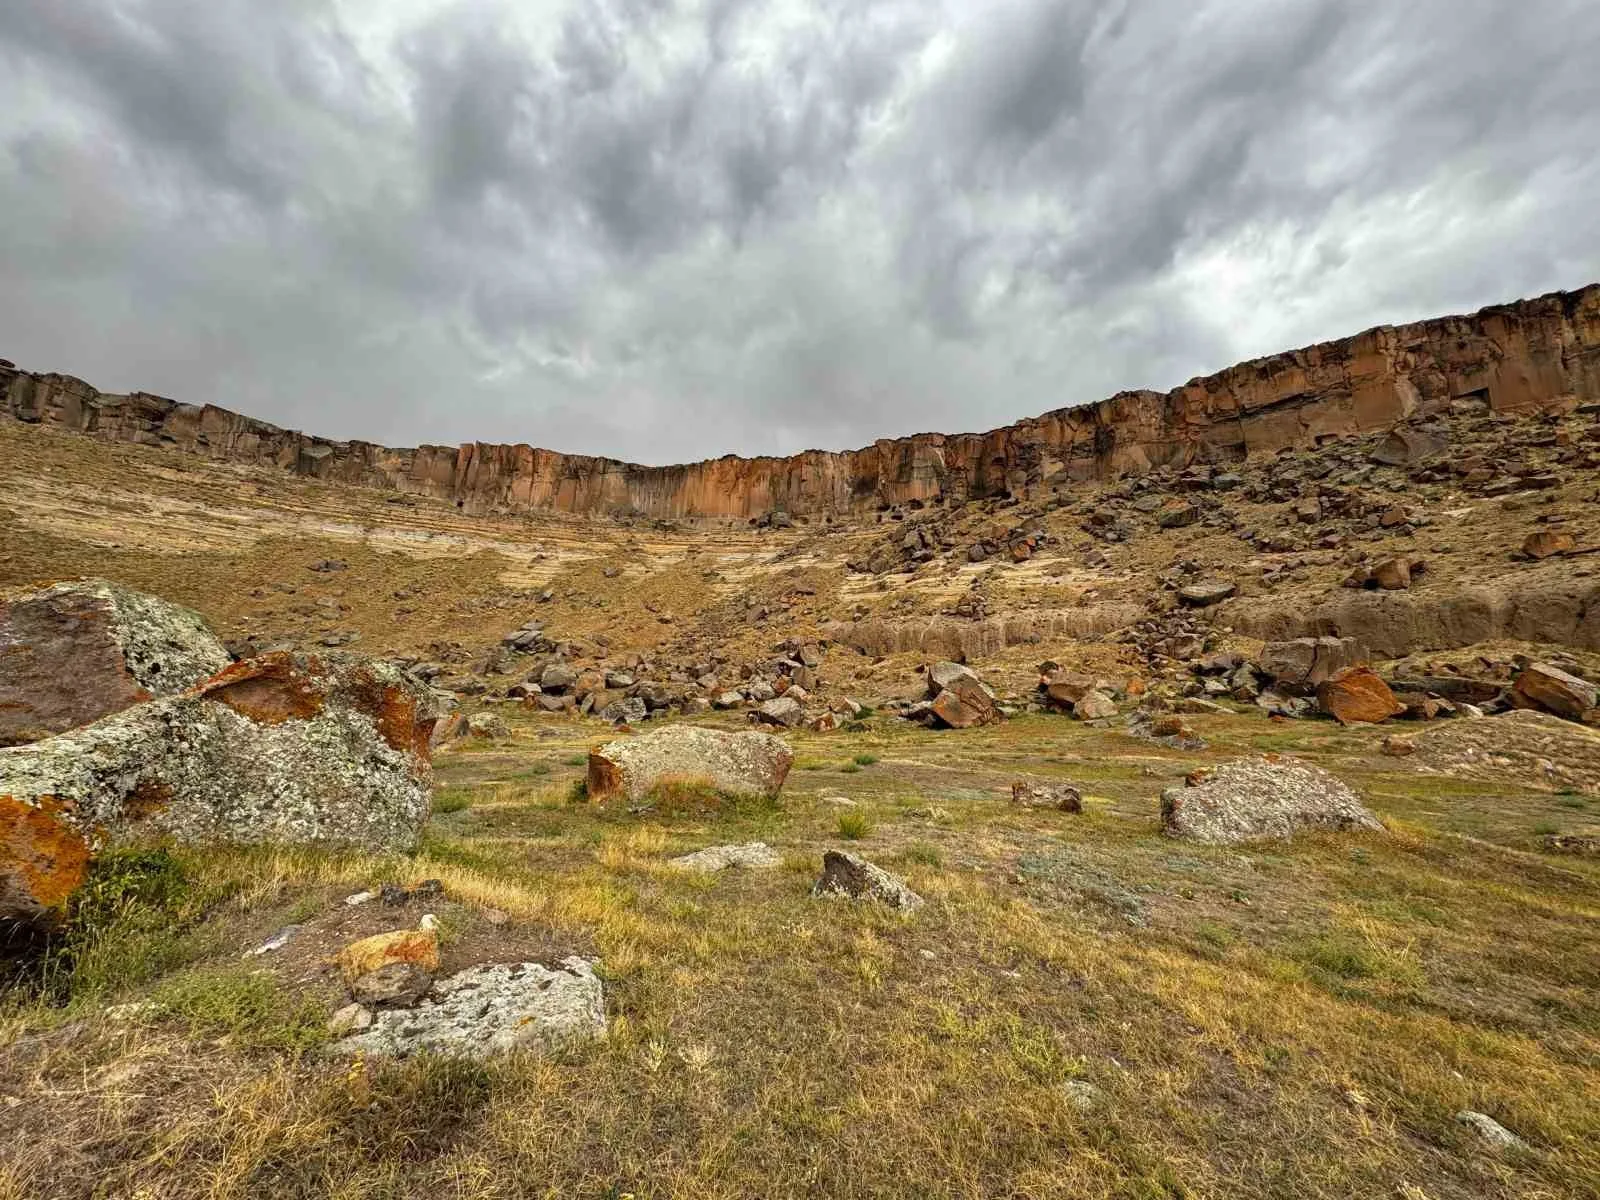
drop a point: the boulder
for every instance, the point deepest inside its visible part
(720, 858)
(490, 726)
(1405, 445)
(1062, 796)
(1392, 574)
(1545, 687)
(1095, 706)
(958, 698)
(1308, 661)
(737, 763)
(1206, 593)
(785, 712)
(1358, 696)
(1252, 799)
(846, 875)
(1543, 543)
(488, 1010)
(76, 652)
(557, 677)
(1063, 689)
(281, 749)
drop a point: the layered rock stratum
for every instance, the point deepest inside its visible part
(1517, 357)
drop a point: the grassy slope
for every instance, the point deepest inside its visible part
(1293, 1020)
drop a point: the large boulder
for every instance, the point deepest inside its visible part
(1555, 691)
(279, 749)
(1358, 696)
(76, 652)
(1303, 663)
(754, 764)
(959, 699)
(1255, 798)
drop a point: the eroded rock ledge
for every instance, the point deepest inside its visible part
(1516, 357)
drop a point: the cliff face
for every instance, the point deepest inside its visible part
(1514, 357)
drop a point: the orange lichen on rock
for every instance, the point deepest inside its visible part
(43, 859)
(270, 689)
(396, 713)
(418, 947)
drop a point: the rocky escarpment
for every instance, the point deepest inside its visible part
(1515, 357)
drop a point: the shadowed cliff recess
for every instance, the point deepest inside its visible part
(1518, 357)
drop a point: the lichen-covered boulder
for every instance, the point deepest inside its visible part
(278, 749)
(1257, 798)
(745, 764)
(76, 652)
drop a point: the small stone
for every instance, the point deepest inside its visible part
(1398, 747)
(1206, 593)
(276, 942)
(489, 726)
(1084, 1097)
(394, 984)
(352, 1018)
(1491, 1131)
(496, 916)
(360, 898)
(416, 946)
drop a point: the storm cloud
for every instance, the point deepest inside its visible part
(664, 229)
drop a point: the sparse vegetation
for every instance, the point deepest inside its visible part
(853, 824)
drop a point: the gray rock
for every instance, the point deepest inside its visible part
(1206, 593)
(1084, 1097)
(751, 763)
(1491, 1131)
(1095, 706)
(488, 725)
(1306, 662)
(844, 874)
(1062, 796)
(557, 677)
(488, 1010)
(395, 984)
(1255, 798)
(728, 700)
(352, 1018)
(720, 858)
(785, 712)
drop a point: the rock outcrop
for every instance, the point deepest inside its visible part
(76, 652)
(1513, 358)
(279, 749)
(747, 764)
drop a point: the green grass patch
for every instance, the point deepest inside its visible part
(853, 825)
(451, 800)
(242, 1005)
(865, 760)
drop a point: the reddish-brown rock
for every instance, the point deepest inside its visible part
(1358, 696)
(1516, 357)
(1542, 543)
(1555, 691)
(72, 653)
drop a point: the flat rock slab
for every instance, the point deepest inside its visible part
(1253, 799)
(748, 764)
(720, 858)
(489, 1010)
(76, 652)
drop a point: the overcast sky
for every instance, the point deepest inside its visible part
(668, 229)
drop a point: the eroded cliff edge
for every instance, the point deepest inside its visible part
(1515, 357)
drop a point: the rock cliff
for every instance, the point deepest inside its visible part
(1513, 357)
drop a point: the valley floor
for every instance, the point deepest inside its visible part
(1083, 1008)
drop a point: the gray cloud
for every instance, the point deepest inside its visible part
(664, 230)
